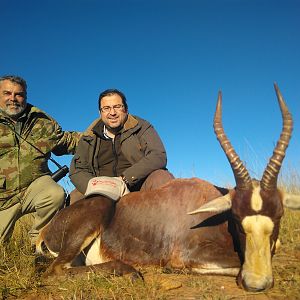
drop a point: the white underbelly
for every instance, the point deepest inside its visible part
(92, 253)
(214, 269)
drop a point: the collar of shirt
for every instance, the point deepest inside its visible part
(105, 133)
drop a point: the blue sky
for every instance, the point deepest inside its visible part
(170, 58)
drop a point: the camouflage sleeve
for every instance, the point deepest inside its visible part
(66, 141)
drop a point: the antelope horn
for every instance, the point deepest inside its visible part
(269, 179)
(242, 178)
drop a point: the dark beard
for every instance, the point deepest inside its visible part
(118, 129)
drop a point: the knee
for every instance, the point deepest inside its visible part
(166, 174)
(157, 179)
(161, 176)
(57, 195)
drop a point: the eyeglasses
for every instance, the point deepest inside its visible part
(107, 109)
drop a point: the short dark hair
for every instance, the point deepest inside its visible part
(110, 92)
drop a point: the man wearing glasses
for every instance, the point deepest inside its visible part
(120, 146)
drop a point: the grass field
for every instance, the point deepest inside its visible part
(19, 280)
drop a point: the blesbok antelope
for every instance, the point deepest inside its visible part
(229, 232)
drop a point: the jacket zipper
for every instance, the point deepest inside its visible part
(116, 157)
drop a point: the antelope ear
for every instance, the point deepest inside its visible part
(291, 201)
(218, 205)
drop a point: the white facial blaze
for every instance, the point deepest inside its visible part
(256, 201)
(257, 268)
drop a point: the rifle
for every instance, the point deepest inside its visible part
(62, 170)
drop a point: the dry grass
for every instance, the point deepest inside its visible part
(18, 279)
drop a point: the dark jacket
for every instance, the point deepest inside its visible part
(140, 144)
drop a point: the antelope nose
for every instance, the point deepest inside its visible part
(262, 285)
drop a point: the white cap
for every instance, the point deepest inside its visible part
(112, 187)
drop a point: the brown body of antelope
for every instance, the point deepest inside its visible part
(186, 224)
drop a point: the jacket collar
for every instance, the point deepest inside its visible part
(130, 123)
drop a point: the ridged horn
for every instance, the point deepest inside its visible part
(242, 178)
(269, 179)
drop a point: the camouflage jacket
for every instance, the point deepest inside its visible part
(20, 162)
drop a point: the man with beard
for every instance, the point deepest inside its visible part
(118, 149)
(28, 136)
